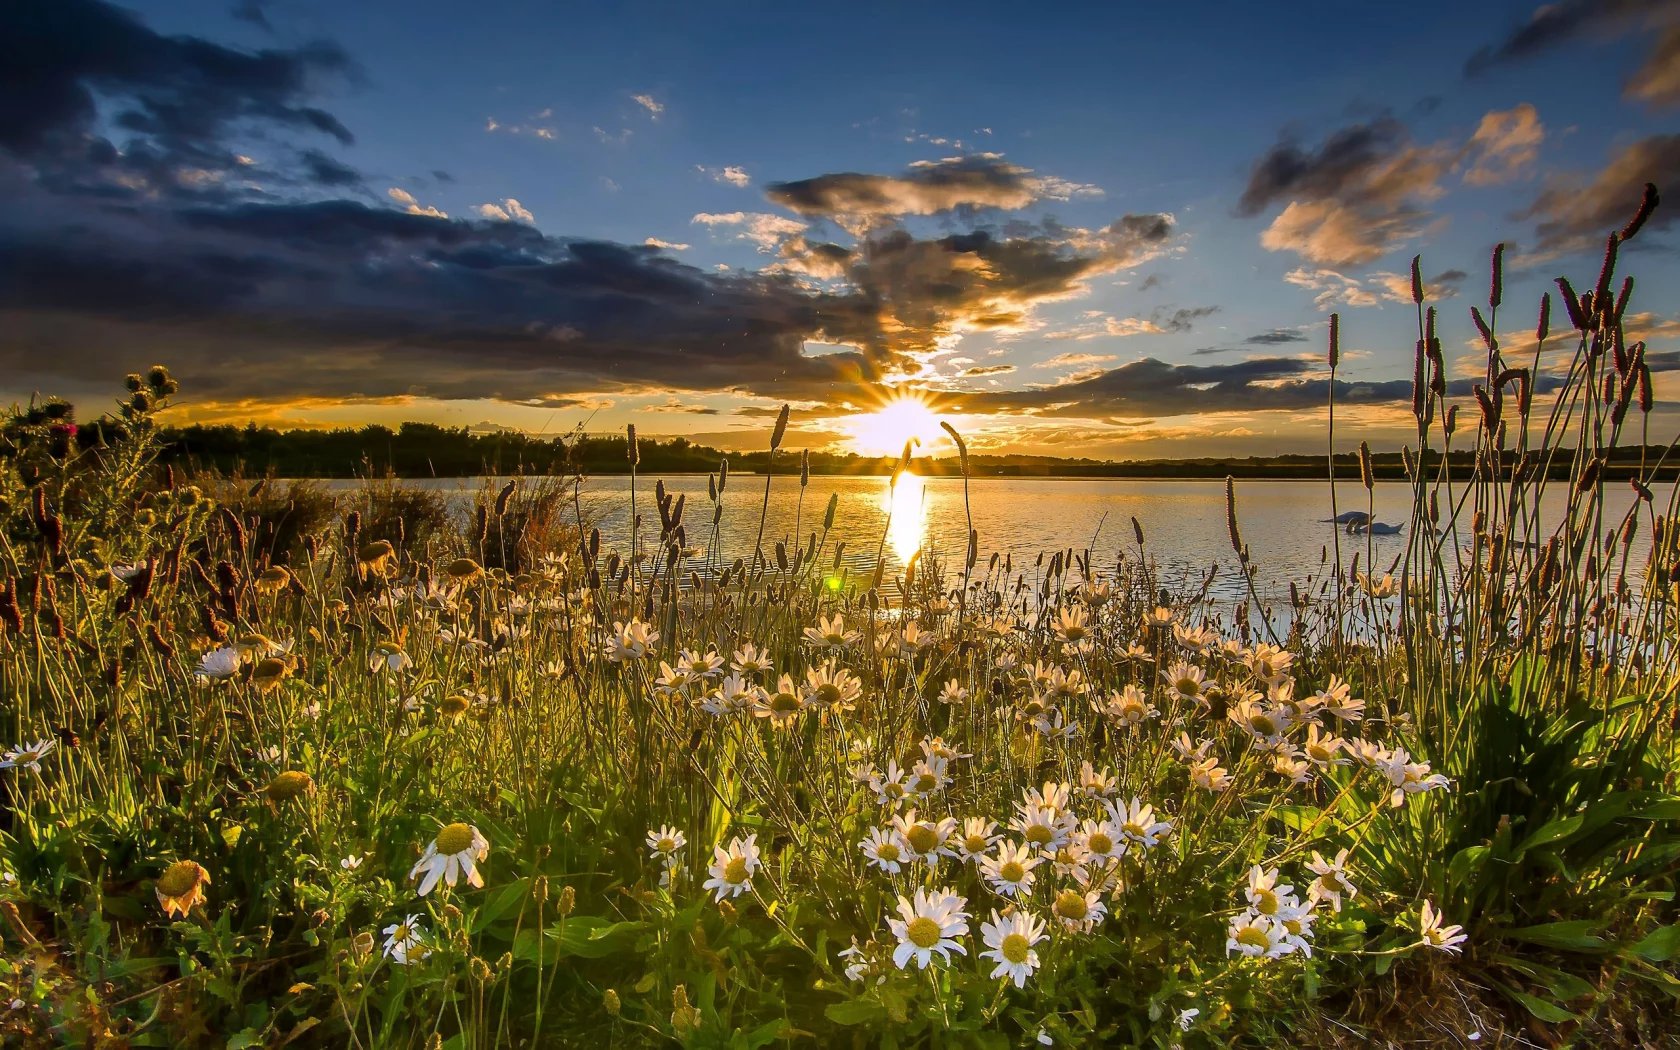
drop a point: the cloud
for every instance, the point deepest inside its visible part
(978, 180)
(986, 370)
(1505, 144)
(506, 211)
(1071, 360)
(325, 171)
(765, 229)
(667, 245)
(1576, 215)
(1555, 25)
(1349, 201)
(405, 198)
(674, 405)
(734, 176)
(1276, 337)
(647, 102)
(1332, 287)
(1397, 287)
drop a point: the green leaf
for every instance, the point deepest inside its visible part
(854, 1011)
(1667, 809)
(1660, 945)
(1554, 830)
(500, 903)
(1542, 1009)
(1576, 935)
(1466, 861)
(1296, 818)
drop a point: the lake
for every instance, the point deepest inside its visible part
(1183, 521)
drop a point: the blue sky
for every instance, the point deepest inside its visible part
(1297, 157)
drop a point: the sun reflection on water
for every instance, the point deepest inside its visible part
(909, 515)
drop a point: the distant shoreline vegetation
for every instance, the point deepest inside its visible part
(423, 450)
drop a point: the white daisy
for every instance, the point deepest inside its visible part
(405, 942)
(1011, 942)
(1437, 936)
(885, 849)
(1332, 883)
(928, 925)
(977, 836)
(219, 664)
(1010, 870)
(664, 843)
(456, 851)
(1257, 936)
(732, 870)
(28, 756)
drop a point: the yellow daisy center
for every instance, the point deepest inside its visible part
(1254, 937)
(784, 703)
(922, 839)
(1266, 902)
(1071, 905)
(974, 844)
(735, 872)
(923, 932)
(454, 838)
(289, 785)
(1012, 871)
(666, 845)
(1101, 844)
(926, 782)
(179, 879)
(452, 705)
(828, 694)
(887, 851)
(1264, 725)
(1188, 686)
(1015, 948)
(1039, 835)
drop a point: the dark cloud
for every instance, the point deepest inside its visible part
(1349, 200)
(1184, 319)
(1149, 387)
(1556, 25)
(1277, 336)
(1210, 351)
(1154, 280)
(982, 180)
(60, 59)
(325, 171)
(1576, 215)
(252, 11)
(987, 370)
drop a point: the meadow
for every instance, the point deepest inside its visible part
(290, 769)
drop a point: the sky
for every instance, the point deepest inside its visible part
(1115, 232)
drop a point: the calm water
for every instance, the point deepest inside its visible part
(1183, 521)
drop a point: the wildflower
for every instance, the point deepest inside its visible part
(732, 694)
(1011, 942)
(1264, 894)
(463, 571)
(1138, 824)
(269, 673)
(1072, 860)
(1208, 774)
(912, 639)
(1332, 883)
(1129, 707)
(927, 777)
(1053, 796)
(373, 559)
(889, 787)
(351, 862)
(1161, 618)
(1336, 699)
(1096, 593)
(664, 843)
(781, 706)
(129, 570)
(1267, 725)
(708, 666)
(1437, 936)
(1054, 725)
(831, 633)
(1368, 753)
(1079, 908)
(1181, 744)
(630, 641)
(1297, 920)
(857, 965)
(28, 756)
(1256, 936)
(936, 747)
(1297, 771)
(1186, 681)
(1010, 871)
(1071, 624)
(1408, 777)
(978, 835)
(1094, 783)
(928, 925)
(1269, 663)
(1194, 639)
(456, 850)
(1102, 840)
(405, 942)
(926, 840)
(219, 664)
(1281, 694)
(1043, 829)
(180, 888)
(289, 785)
(732, 870)
(672, 680)
(953, 693)
(388, 656)
(1323, 749)
(835, 690)
(1378, 589)
(1187, 1017)
(885, 849)
(1068, 684)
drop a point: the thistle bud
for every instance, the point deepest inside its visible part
(1335, 340)
(1417, 280)
(630, 451)
(780, 429)
(1496, 290)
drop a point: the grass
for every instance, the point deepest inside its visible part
(671, 794)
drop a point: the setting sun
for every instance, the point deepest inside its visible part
(884, 431)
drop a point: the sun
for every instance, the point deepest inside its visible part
(884, 431)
